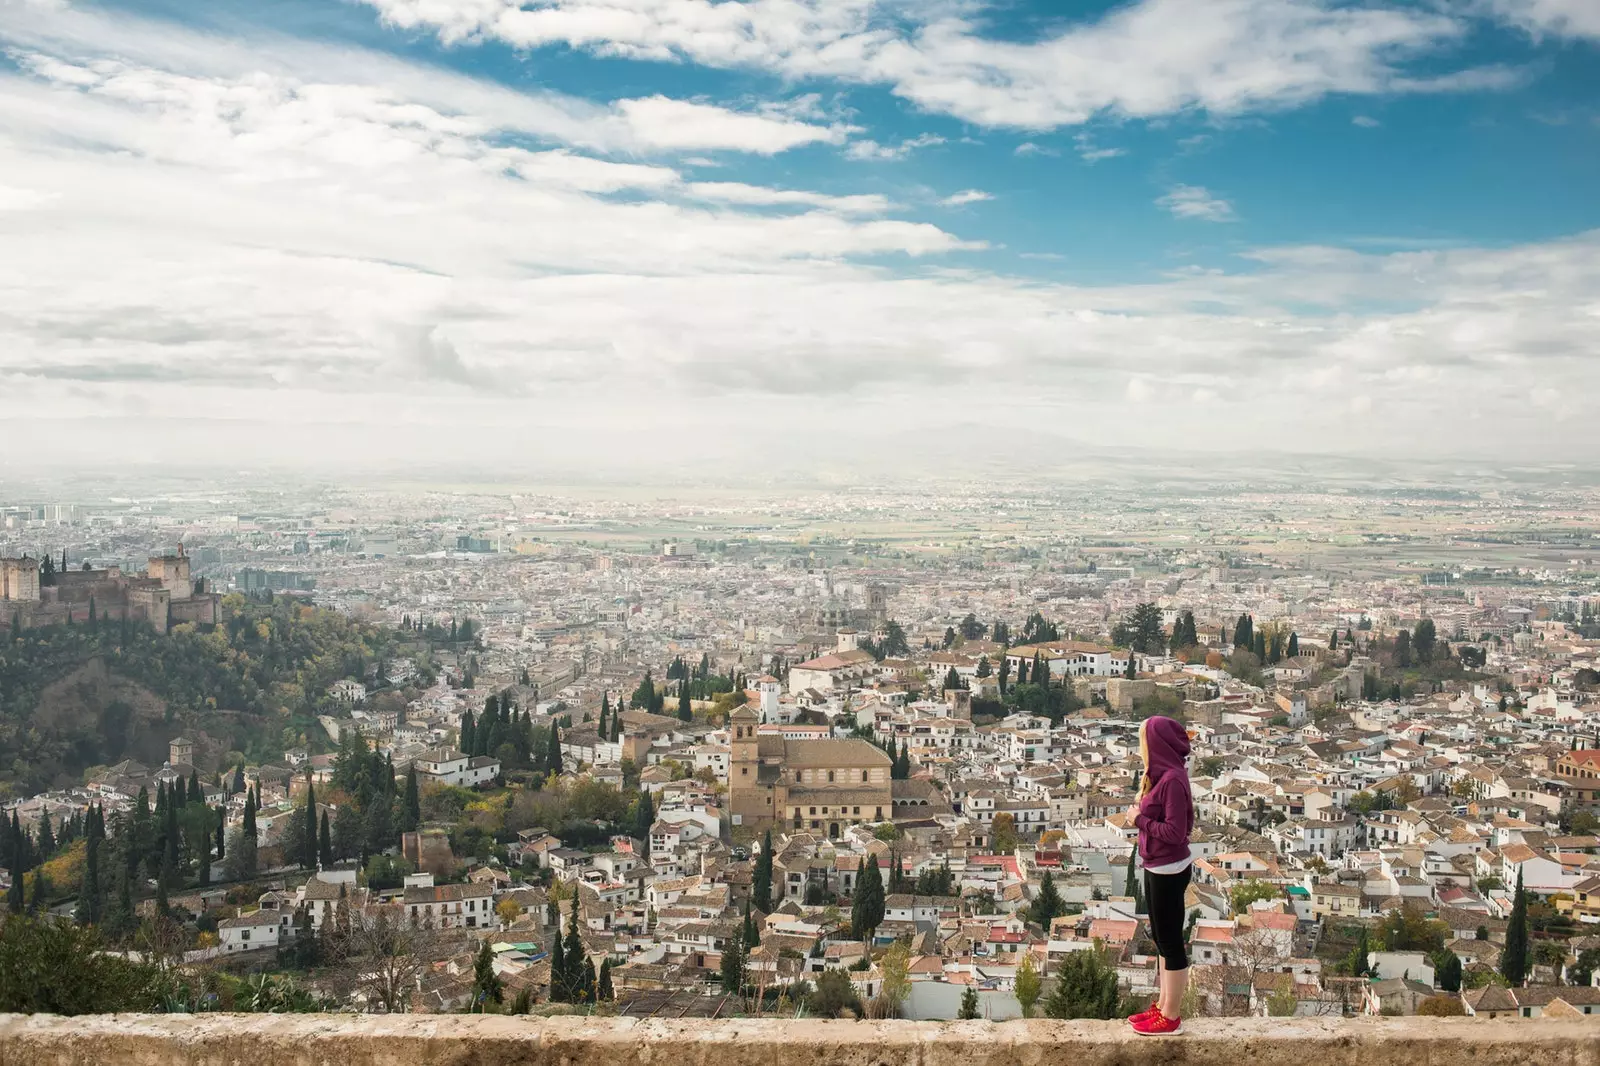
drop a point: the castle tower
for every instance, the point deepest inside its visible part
(19, 580)
(180, 751)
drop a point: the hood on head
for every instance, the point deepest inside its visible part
(1168, 744)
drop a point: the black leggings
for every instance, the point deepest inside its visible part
(1163, 899)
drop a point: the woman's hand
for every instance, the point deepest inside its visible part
(1133, 812)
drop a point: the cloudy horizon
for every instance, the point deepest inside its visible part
(669, 231)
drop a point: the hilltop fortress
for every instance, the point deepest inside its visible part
(165, 596)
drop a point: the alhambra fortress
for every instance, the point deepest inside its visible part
(166, 595)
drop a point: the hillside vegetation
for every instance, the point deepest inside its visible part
(75, 697)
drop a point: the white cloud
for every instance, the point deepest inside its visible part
(732, 192)
(1090, 153)
(643, 125)
(1145, 59)
(893, 153)
(966, 196)
(1366, 122)
(658, 122)
(1194, 202)
(1557, 18)
(1034, 148)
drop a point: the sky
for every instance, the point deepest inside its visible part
(773, 234)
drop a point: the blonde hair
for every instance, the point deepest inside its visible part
(1144, 759)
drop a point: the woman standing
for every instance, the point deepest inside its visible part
(1164, 816)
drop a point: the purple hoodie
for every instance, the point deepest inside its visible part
(1167, 813)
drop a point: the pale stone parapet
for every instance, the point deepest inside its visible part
(414, 1040)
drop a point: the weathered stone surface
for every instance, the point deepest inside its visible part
(344, 1040)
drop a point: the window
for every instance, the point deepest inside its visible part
(744, 771)
(813, 810)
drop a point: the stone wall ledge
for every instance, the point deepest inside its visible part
(404, 1040)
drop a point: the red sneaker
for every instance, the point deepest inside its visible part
(1158, 1024)
(1149, 1012)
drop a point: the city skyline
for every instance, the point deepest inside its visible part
(554, 236)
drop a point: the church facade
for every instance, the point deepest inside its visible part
(819, 786)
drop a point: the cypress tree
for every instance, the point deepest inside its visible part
(47, 837)
(751, 935)
(222, 832)
(604, 993)
(308, 853)
(249, 814)
(559, 992)
(1514, 956)
(469, 733)
(324, 843)
(411, 808)
(88, 910)
(553, 755)
(867, 903)
(576, 957)
(238, 779)
(586, 981)
(644, 816)
(486, 985)
(761, 879)
(685, 711)
(18, 863)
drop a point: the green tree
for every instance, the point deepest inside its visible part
(604, 992)
(1048, 905)
(894, 641)
(895, 966)
(644, 817)
(1142, 631)
(1424, 640)
(411, 807)
(761, 878)
(1447, 970)
(552, 759)
(49, 966)
(833, 995)
(867, 903)
(560, 987)
(576, 955)
(240, 862)
(324, 843)
(307, 856)
(969, 1005)
(487, 987)
(1086, 987)
(1514, 955)
(1004, 829)
(1356, 961)
(1249, 892)
(1029, 986)
(733, 965)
